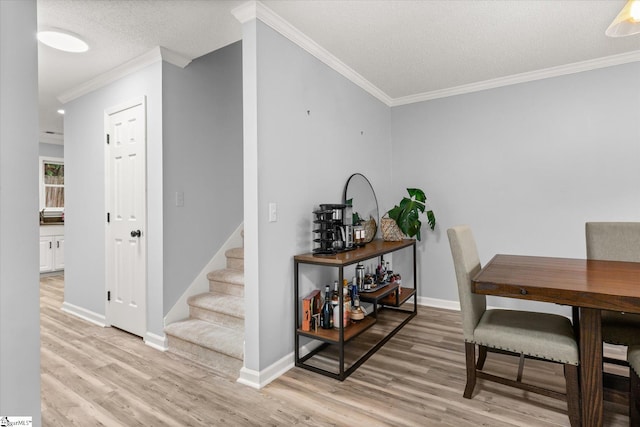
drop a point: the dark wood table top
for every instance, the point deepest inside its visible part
(372, 249)
(609, 285)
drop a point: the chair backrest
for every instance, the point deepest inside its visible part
(467, 265)
(613, 241)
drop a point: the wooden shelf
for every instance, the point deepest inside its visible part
(378, 295)
(396, 300)
(372, 249)
(333, 335)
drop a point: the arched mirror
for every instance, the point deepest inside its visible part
(359, 194)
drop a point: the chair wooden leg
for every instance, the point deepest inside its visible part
(520, 368)
(575, 320)
(573, 394)
(470, 356)
(634, 398)
(482, 356)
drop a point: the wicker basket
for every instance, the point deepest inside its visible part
(370, 229)
(390, 230)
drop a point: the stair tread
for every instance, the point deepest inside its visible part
(230, 305)
(213, 337)
(228, 275)
(235, 253)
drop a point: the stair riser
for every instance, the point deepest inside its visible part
(217, 318)
(226, 288)
(235, 263)
(219, 362)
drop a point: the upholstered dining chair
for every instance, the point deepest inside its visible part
(616, 241)
(525, 334)
(633, 357)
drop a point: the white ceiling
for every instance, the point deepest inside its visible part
(402, 47)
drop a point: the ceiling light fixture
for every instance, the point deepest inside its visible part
(63, 40)
(627, 22)
(61, 111)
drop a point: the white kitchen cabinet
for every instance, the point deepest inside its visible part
(51, 248)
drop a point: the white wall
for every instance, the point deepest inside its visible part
(524, 165)
(314, 129)
(51, 150)
(19, 285)
(85, 212)
(202, 158)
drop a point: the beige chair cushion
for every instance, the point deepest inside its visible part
(613, 241)
(633, 357)
(547, 336)
(467, 264)
(620, 328)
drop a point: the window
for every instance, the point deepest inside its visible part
(51, 183)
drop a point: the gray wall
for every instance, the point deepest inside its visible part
(85, 192)
(525, 165)
(314, 129)
(202, 158)
(51, 150)
(19, 286)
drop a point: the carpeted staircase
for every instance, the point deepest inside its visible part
(214, 333)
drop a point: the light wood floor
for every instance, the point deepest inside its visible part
(105, 377)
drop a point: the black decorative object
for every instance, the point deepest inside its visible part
(332, 234)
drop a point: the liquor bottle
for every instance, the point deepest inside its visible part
(326, 315)
(346, 304)
(335, 300)
(335, 295)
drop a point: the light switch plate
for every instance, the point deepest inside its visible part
(273, 212)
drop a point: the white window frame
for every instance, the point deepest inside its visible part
(41, 162)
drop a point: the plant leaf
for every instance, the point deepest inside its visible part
(418, 194)
(395, 213)
(432, 219)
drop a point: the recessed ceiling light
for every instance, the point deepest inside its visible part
(63, 40)
(61, 111)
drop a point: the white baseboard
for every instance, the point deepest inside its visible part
(439, 303)
(159, 342)
(83, 313)
(259, 379)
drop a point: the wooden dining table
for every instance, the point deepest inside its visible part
(590, 285)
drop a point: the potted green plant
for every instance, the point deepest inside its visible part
(406, 217)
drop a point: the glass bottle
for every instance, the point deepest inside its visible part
(360, 276)
(346, 305)
(335, 300)
(326, 315)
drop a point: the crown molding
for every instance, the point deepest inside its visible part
(257, 10)
(576, 67)
(245, 12)
(156, 54)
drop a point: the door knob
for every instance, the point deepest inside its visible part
(136, 233)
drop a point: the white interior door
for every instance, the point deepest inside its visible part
(126, 223)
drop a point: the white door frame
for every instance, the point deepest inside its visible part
(107, 112)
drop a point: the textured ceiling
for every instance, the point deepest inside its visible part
(409, 47)
(402, 47)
